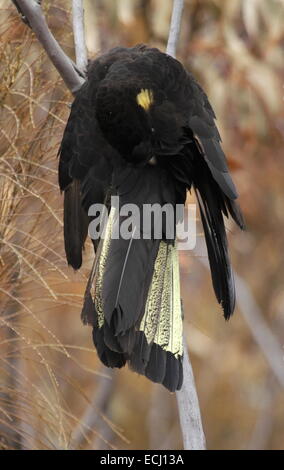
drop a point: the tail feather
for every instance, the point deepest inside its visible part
(108, 357)
(162, 320)
(174, 373)
(235, 212)
(75, 224)
(92, 313)
(124, 276)
(157, 364)
(213, 204)
(136, 310)
(217, 247)
(159, 348)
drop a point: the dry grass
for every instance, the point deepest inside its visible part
(36, 366)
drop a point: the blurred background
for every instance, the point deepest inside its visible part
(53, 391)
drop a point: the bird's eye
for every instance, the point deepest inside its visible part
(153, 130)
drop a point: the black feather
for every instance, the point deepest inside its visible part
(75, 224)
(108, 357)
(174, 375)
(125, 274)
(140, 354)
(211, 202)
(158, 365)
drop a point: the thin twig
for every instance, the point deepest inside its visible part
(79, 34)
(32, 15)
(175, 27)
(93, 414)
(259, 329)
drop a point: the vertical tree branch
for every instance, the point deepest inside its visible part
(175, 27)
(188, 405)
(79, 34)
(189, 412)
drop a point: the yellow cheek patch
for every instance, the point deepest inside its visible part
(145, 98)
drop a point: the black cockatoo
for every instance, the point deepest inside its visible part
(142, 129)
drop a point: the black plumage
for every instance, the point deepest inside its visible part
(141, 128)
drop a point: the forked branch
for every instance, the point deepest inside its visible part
(32, 14)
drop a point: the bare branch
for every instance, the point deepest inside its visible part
(175, 27)
(264, 423)
(188, 405)
(189, 412)
(259, 329)
(93, 414)
(32, 15)
(79, 34)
